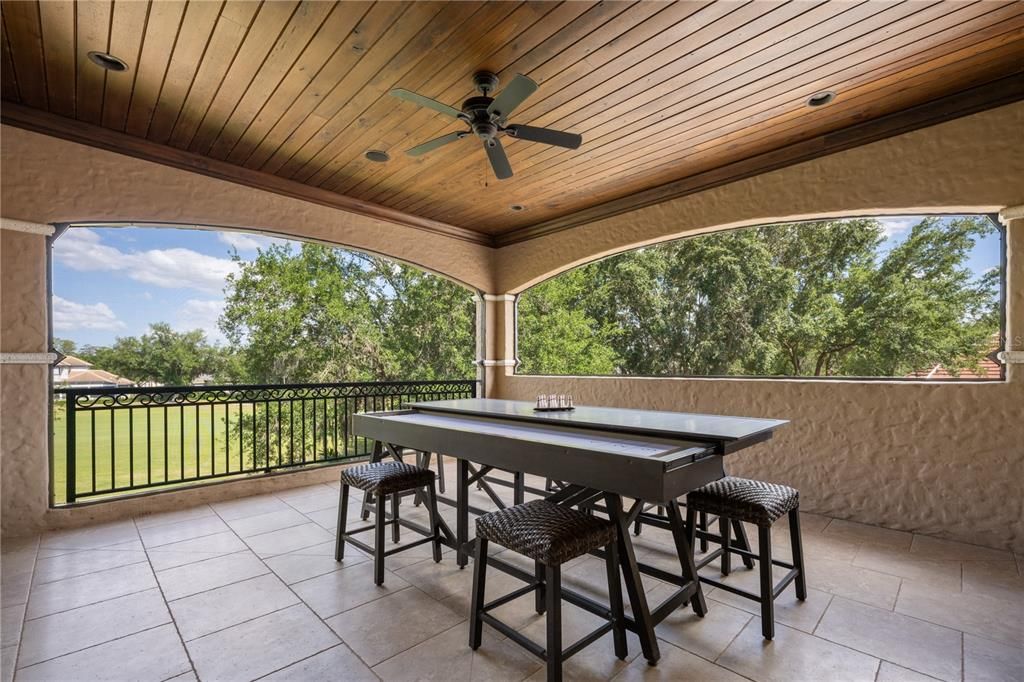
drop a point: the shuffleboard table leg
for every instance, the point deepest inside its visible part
(634, 585)
(681, 536)
(461, 511)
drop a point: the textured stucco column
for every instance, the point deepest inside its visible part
(1013, 343)
(498, 345)
(24, 369)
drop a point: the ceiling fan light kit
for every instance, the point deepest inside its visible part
(487, 119)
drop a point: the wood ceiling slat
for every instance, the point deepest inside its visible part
(425, 122)
(270, 23)
(231, 29)
(685, 133)
(318, 151)
(162, 29)
(404, 29)
(600, 26)
(93, 30)
(197, 29)
(24, 37)
(324, 56)
(58, 33)
(452, 62)
(900, 93)
(702, 35)
(8, 81)
(304, 24)
(127, 28)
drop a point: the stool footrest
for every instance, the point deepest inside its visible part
(511, 596)
(515, 636)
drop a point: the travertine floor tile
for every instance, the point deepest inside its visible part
(708, 636)
(973, 613)
(794, 655)
(209, 574)
(988, 661)
(90, 588)
(81, 562)
(11, 618)
(890, 672)
(446, 657)
(860, 533)
(91, 537)
(287, 540)
(295, 567)
(208, 546)
(206, 612)
(802, 615)
(997, 579)
(160, 518)
(169, 533)
(264, 523)
(333, 593)
(63, 633)
(242, 652)
(240, 508)
(943, 575)
(911, 643)
(925, 547)
(676, 664)
(337, 663)
(7, 656)
(853, 582)
(155, 654)
(388, 626)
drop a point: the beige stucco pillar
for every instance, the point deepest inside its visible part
(497, 342)
(24, 369)
(1013, 344)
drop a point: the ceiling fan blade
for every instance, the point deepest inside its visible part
(415, 98)
(514, 94)
(498, 159)
(546, 136)
(435, 143)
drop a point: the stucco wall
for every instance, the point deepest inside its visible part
(941, 459)
(48, 180)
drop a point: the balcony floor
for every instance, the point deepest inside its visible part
(249, 588)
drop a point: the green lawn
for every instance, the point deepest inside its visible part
(130, 452)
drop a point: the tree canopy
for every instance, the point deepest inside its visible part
(162, 356)
(802, 299)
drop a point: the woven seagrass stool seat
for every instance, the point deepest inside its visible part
(740, 500)
(551, 535)
(383, 479)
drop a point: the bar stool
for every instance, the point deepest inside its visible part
(382, 479)
(551, 535)
(736, 500)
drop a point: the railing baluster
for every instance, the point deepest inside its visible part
(92, 458)
(71, 449)
(131, 447)
(113, 475)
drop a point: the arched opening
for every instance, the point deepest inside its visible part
(884, 297)
(201, 354)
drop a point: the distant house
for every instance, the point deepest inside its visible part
(72, 372)
(988, 368)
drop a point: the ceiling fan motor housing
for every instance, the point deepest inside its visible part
(479, 119)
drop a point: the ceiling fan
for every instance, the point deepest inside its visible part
(487, 118)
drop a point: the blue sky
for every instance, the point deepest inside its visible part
(110, 282)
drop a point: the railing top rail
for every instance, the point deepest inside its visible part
(119, 390)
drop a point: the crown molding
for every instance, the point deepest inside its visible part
(1011, 213)
(988, 96)
(28, 358)
(37, 121)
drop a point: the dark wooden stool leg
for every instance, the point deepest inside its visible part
(611, 563)
(396, 528)
(435, 521)
(703, 527)
(740, 533)
(476, 625)
(726, 559)
(378, 542)
(764, 542)
(339, 543)
(798, 553)
(539, 593)
(553, 586)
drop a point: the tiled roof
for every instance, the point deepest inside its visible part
(72, 361)
(91, 377)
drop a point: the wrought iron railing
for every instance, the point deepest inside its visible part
(110, 441)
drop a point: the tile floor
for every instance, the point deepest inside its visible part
(249, 589)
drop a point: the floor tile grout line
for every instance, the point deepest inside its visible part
(101, 570)
(94, 603)
(167, 523)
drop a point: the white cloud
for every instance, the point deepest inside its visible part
(247, 242)
(82, 249)
(897, 225)
(71, 316)
(197, 314)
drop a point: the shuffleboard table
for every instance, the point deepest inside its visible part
(598, 455)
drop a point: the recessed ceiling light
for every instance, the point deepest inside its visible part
(517, 207)
(822, 98)
(377, 156)
(107, 61)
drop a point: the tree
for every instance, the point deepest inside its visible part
(821, 298)
(65, 346)
(321, 314)
(162, 356)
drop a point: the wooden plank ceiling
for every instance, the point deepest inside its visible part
(660, 92)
